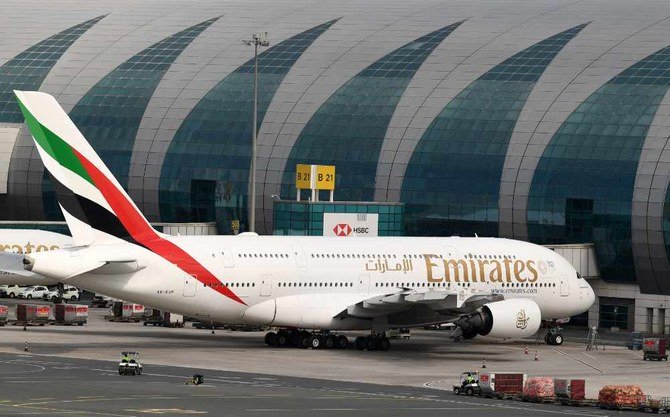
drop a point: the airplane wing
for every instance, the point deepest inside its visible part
(453, 301)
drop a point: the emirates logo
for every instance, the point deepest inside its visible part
(342, 229)
(522, 319)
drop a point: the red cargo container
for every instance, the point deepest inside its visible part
(498, 383)
(4, 312)
(32, 313)
(654, 348)
(571, 389)
(71, 314)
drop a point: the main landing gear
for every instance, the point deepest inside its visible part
(373, 342)
(304, 339)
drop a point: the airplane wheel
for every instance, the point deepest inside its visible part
(371, 343)
(360, 343)
(329, 341)
(271, 339)
(296, 338)
(384, 344)
(305, 338)
(315, 342)
(558, 339)
(342, 342)
(282, 338)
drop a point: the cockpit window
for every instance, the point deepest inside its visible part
(579, 276)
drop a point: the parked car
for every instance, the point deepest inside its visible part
(10, 291)
(102, 301)
(36, 291)
(69, 293)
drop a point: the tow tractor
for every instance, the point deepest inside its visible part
(464, 388)
(130, 364)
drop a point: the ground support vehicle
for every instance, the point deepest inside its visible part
(130, 364)
(465, 388)
(71, 314)
(654, 349)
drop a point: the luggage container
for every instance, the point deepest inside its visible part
(32, 314)
(568, 390)
(4, 312)
(654, 348)
(172, 319)
(133, 312)
(122, 311)
(71, 314)
(153, 316)
(502, 383)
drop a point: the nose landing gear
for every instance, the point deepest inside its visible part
(554, 337)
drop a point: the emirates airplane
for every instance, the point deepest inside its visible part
(308, 287)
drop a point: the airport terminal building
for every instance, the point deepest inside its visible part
(546, 120)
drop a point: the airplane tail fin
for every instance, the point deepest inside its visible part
(95, 206)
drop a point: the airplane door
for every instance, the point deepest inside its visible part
(228, 259)
(299, 257)
(190, 285)
(266, 285)
(363, 283)
(565, 286)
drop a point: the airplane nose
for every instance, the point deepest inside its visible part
(590, 297)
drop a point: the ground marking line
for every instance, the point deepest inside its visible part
(578, 360)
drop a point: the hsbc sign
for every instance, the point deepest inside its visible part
(350, 224)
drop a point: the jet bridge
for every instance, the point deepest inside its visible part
(582, 256)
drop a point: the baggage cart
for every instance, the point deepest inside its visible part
(569, 391)
(32, 314)
(4, 312)
(153, 316)
(172, 319)
(125, 312)
(502, 384)
(71, 314)
(654, 348)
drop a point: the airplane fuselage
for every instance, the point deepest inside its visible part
(305, 281)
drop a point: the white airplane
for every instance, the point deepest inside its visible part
(14, 243)
(499, 288)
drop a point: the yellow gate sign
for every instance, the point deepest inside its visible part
(325, 177)
(303, 176)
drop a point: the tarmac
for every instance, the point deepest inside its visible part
(72, 370)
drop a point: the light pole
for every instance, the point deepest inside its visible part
(256, 40)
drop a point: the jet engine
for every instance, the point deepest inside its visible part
(506, 320)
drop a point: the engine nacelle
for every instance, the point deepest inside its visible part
(507, 320)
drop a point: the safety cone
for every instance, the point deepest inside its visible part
(525, 350)
(25, 347)
(537, 355)
(484, 364)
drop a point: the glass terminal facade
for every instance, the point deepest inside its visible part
(529, 124)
